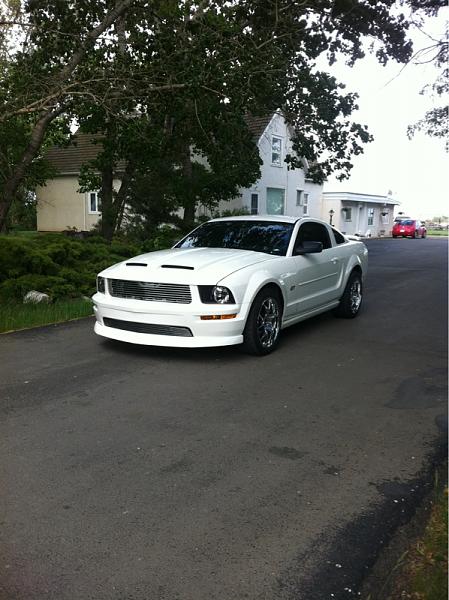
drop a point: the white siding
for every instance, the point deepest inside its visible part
(360, 205)
(278, 177)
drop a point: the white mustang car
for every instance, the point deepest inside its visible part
(231, 281)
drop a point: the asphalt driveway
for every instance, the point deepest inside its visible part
(139, 473)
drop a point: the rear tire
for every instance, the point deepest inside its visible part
(263, 324)
(351, 301)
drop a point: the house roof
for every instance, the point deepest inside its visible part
(69, 159)
(257, 125)
(359, 197)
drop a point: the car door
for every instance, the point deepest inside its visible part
(317, 276)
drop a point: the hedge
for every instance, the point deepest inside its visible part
(57, 265)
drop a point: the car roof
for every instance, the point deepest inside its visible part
(272, 218)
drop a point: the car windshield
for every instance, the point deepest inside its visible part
(258, 236)
(407, 222)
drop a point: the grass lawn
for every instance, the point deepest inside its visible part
(440, 232)
(424, 567)
(15, 315)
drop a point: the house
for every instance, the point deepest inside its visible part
(278, 191)
(60, 205)
(366, 215)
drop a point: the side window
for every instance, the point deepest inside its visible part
(338, 237)
(313, 232)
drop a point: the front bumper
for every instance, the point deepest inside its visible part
(141, 313)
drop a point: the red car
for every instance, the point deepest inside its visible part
(409, 228)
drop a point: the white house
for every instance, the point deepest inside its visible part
(280, 190)
(359, 214)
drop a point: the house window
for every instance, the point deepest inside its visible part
(370, 216)
(385, 217)
(348, 214)
(254, 204)
(302, 199)
(276, 151)
(275, 201)
(93, 203)
(305, 205)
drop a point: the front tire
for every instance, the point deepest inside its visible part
(351, 301)
(263, 325)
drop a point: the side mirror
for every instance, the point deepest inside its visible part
(308, 248)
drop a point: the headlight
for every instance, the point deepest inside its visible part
(101, 285)
(215, 294)
(221, 294)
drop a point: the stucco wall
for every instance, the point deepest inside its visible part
(358, 223)
(60, 205)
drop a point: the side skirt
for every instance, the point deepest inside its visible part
(310, 313)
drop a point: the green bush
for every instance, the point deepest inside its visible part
(66, 267)
(56, 287)
(164, 237)
(56, 265)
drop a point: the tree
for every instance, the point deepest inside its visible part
(227, 61)
(435, 122)
(43, 75)
(165, 59)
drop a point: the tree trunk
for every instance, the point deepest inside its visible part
(108, 213)
(14, 181)
(189, 202)
(122, 194)
(17, 176)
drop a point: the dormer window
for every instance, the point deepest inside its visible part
(276, 151)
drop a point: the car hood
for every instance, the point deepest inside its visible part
(194, 266)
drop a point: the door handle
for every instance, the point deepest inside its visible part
(335, 260)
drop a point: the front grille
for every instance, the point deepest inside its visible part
(154, 292)
(148, 328)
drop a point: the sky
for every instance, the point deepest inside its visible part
(415, 171)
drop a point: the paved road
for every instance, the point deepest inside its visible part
(133, 473)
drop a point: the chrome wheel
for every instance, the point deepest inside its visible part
(268, 322)
(355, 295)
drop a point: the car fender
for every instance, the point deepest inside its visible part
(246, 288)
(355, 260)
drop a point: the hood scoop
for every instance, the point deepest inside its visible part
(177, 267)
(135, 264)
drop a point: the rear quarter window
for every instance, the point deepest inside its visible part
(339, 238)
